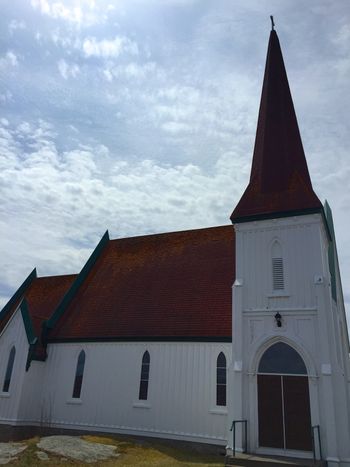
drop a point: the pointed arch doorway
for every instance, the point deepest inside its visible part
(284, 420)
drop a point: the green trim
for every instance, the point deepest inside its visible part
(68, 297)
(143, 339)
(280, 214)
(32, 339)
(18, 294)
(331, 250)
(276, 215)
(33, 356)
(30, 356)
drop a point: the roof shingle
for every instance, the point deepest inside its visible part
(279, 181)
(167, 285)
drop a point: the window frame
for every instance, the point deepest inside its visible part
(144, 377)
(9, 371)
(280, 358)
(78, 385)
(219, 385)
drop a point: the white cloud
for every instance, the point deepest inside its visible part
(105, 48)
(342, 37)
(16, 24)
(6, 96)
(9, 60)
(68, 70)
(59, 10)
(62, 39)
(133, 70)
(79, 13)
(177, 127)
(64, 200)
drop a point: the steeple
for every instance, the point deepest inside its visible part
(279, 182)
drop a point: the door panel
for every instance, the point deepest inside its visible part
(270, 411)
(297, 418)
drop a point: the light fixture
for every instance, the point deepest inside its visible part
(278, 319)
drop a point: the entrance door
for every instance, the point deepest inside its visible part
(283, 400)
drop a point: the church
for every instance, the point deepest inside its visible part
(233, 335)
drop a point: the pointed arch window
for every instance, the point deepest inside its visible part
(79, 373)
(8, 374)
(277, 267)
(221, 380)
(281, 358)
(143, 391)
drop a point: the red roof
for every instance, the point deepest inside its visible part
(42, 296)
(279, 180)
(156, 286)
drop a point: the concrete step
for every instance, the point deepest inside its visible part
(253, 460)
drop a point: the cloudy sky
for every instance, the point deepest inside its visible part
(138, 116)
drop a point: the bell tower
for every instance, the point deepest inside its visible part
(290, 371)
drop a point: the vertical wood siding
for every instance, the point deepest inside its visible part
(181, 394)
(13, 334)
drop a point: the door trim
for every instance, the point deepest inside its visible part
(284, 450)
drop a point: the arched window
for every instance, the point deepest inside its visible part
(78, 380)
(282, 359)
(9, 369)
(277, 267)
(221, 380)
(144, 376)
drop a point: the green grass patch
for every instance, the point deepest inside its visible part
(133, 452)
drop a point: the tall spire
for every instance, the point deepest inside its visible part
(279, 183)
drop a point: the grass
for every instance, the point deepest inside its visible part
(133, 452)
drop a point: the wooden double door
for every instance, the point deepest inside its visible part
(283, 400)
(284, 412)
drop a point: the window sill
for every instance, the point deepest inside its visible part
(74, 401)
(4, 394)
(219, 411)
(141, 405)
(278, 294)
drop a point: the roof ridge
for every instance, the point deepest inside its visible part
(172, 232)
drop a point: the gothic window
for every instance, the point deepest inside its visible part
(78, 381)
(221, 380)
(277, 267)
(9, 369)
(144, 376)
(281, 358)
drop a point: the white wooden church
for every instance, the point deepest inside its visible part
(183, 335)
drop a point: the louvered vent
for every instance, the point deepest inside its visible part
(277, 274)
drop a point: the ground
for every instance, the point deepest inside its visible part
(125, 451)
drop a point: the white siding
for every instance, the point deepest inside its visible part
(310, 323)
(181, 394)
(300, 238)
(13, 334)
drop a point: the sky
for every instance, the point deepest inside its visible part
(139, 116)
